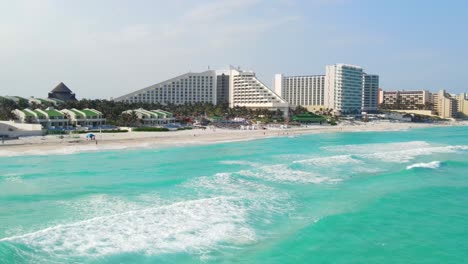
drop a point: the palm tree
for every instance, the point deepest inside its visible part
(29, 120)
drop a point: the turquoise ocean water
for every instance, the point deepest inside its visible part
(386, 197)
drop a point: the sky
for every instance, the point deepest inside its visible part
(107, 48)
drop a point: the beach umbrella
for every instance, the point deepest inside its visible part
(90, 135)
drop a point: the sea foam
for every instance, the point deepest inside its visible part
(401, 152)
(190, 226)
(428, 165)
(282, 173)
(329, 161)
(257, 196)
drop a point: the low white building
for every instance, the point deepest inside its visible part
(152, 117)
(84, 118)
(11, 129)
(48, 118)
(51, 118)
(42, 101)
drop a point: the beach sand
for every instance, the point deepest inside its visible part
(111, 141)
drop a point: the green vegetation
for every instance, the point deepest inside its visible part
(308, 118)
(99, 131)
(112, 111)
(56, 132)
(333, 121)
(6, 106)
(150, 129)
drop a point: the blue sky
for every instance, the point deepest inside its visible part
(107, 48)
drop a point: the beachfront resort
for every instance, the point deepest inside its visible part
(223, 97)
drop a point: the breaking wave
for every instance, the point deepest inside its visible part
(282, 173)
(189, 226)
(401, 152)
(329, 161)
(429, 165)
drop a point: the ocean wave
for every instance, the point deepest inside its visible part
(329, 161)
(12, 177)
(103, 204)
(428, 165)
(190, 226)
(282, 173)
(403, 156)
(239, 162)
(401, 152)
(377, 147)
(260, 197)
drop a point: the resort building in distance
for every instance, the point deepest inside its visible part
(51, 118)
(152, 117)
(345, 89)
(442, 104)
(370, 93)
(62, 92)
(307, 91)
(239, 88)
(84, 118)
(245, 89)
(405, 99)
(186, 88)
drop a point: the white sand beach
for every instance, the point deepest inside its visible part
(108, 141)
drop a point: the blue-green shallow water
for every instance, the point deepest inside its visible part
(328, 198)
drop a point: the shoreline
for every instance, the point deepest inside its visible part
(49, 145)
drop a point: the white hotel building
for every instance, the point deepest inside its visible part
(306, 91)
(186, 88)
(248, 91)
(344, 88)
(239, 88)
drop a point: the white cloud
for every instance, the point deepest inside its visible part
(213, 10)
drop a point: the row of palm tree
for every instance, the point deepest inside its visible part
(113, 110)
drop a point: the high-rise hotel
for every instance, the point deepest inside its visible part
(345, 89)
(370, 93)
(306, 91)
